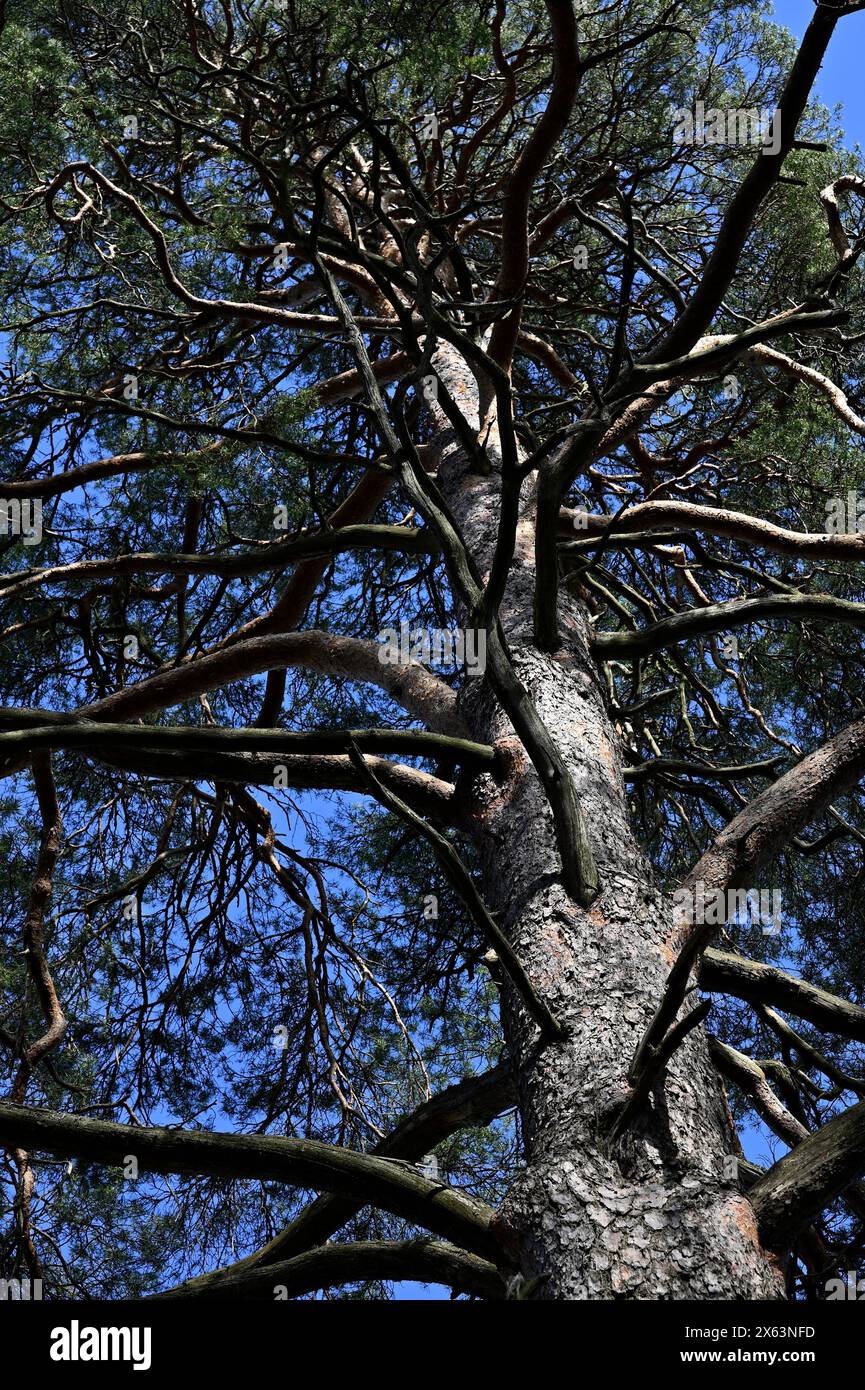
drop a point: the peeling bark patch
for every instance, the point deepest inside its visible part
(743, 1215)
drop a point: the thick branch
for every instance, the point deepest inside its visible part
(764, 173)
(429, 795)
(405, 539)
(90, 734)
(386, 1183)
(751, 980)
(748, 842)
(722, 617)
(545, 135)
(420, 692)
(794, 1191)
(475, 1101)
(658, 516)
(427, 1261)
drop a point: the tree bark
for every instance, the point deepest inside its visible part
(662, 1216)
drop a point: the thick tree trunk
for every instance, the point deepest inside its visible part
(663, 1218)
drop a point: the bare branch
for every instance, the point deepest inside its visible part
(428, 1261)
(475, 1101)
(798, 1188)
(758, 983)
(394, 1186)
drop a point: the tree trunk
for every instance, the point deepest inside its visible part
(663, 1218)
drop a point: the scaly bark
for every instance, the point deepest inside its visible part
(660, 1217)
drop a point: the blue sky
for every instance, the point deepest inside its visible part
(840, 81)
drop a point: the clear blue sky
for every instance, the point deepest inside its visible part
(840, 81)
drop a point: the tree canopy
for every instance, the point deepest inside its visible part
(244, 956)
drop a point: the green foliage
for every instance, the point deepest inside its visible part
(261, 135)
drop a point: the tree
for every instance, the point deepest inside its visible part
(430, 640)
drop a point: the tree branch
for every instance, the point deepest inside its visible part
(658, 516)
(750, 840)
(387, 1183)
(757, 983)
(70, 732)
(795, 1190)
(763, 174)
(462, 881)
(428, 1261)
(476, 1101)
(722, 617)
(419, 691)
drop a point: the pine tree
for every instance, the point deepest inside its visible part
(430, 651)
